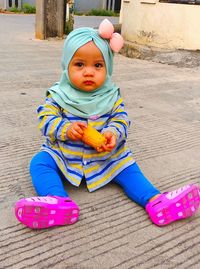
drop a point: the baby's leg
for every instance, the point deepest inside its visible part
(137, 187)
(163, 208)
(46, 176)
(53, 206)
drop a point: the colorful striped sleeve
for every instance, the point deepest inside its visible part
(51, 122)
(118, 122)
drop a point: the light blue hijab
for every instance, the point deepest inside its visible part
(81, 103)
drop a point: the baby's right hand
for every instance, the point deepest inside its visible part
(75, 131)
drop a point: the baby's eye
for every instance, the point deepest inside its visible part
(79, 64)
(98, 65)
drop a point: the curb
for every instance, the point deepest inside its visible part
(178, 57)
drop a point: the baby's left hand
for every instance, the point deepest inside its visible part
(111, 141)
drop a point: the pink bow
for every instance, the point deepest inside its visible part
(106, 30)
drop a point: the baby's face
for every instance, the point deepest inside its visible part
(87, 69)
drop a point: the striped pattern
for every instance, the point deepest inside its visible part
(76, 159)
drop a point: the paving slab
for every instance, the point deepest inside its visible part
(163, 103)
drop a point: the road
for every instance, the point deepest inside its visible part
(163, 103)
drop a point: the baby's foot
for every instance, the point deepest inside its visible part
(171, 206)
(44, 212)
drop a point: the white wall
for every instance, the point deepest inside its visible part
(161, 25)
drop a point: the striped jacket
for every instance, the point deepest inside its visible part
(77, 160)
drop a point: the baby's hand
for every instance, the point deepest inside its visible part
(111, 141)
(75, 131)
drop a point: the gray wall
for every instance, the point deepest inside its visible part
(4, 3)
(80, 5)
(86, 5)
(30, 2)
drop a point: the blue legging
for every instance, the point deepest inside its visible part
(47, 180)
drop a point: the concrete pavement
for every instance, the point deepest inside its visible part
(163, 103)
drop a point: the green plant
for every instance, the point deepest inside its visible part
(26, 8)
(102, 12)
(79, 13)
(69, 25)
(15, 9)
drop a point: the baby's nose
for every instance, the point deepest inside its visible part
(89, 71)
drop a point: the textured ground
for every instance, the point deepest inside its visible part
(163, 103)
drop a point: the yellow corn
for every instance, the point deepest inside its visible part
(92, 137)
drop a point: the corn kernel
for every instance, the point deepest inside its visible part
(92, 137)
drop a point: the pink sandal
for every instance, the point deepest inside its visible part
(171, 206)
(44, 212)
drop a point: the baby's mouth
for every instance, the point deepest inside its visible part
(88, 82)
